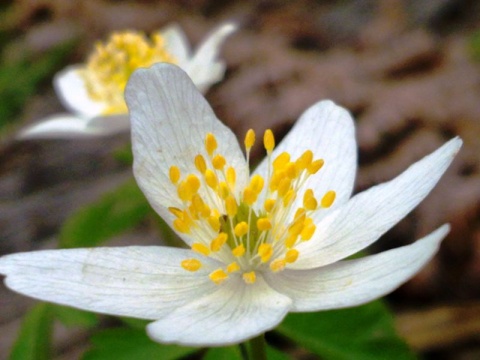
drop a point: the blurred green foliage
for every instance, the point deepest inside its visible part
(475, 45)
(364, 332)
(116, 212)
(34, 339)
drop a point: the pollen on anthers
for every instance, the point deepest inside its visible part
(252, 229)
(109, 67)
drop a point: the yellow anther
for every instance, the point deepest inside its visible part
(181, 226)
(218, 242)
(256, 183)
(231, 177)
(304, 160)
(291, 170)
(308, 231)
(200, 163)
(174, 174)
(281, 161)
(309, 201)
(291, 241)
(268, 205)
(193, 182)
(231, 206)
(275, 180)
(265, 251)
(233, 267)
(214, 223)
(218, 162)
(249, 196)
(249, 139)
(328, 199)
(264, 224)
(211, 179)
(249, 277)
(210, 143)
(241, 229)
(201, 249)
(289, 197)
(278, 265)
(223, 190)
(315, 166)
(239, 250)
(199, 206)
(300, 215)
(191, 264)
(296, 228)
(284, 186)
(291, 256)
(269, 141)
(218, 276)
(175, 211)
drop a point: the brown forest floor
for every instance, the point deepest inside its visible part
(405, 69)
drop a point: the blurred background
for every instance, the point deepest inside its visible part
(408, 70)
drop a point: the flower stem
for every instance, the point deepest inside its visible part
(258, 348)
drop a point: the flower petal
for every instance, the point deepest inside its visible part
(68, 126)
(170, 120)
(139, 281)
(328, 131)
(204, 68)
(232, 314)
(371, 213)
(354, 282)
(72, 92)
(176, 43)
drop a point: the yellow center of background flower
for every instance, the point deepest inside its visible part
(252, 229)
(109, 67)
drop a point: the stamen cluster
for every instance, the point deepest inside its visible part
(109, 67)
(251, 229)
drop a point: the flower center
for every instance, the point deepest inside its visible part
(111, 64)
(253, 229)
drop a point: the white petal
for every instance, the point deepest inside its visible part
(142, 282)
(204, 67)
(72, 92)
(371, 213)
(170, 120)
(176, 43)
(354, 282)
(110, 124)
(234, 313)
(328, 131)
(60, 126)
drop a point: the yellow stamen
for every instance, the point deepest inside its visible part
(265, 251)
(214, 223)
(174, 174)
(281, 161)
(231, 177)
(304, 160)
(308, 232)
(328, 199)
(181, 226)
(200, 163)
(278, 265)
(269, 141)
(291, 256)
(175, 211)
(191, 264)
(309, 201)
(241, 229)
(249, 277)
(218, 276)
(210, 143)
(249, 139)
(231, 206)
(269, 204)
(218, 162)
(238, 251)
(233, 267)
(201, 249)
(211, 179)
(218, 242)
(264, 224)
(315, 166)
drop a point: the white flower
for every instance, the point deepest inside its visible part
(260, 245)
(94, 92)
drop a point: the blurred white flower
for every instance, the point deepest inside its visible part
(94, 92)
(261, 245)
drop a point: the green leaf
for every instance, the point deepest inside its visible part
(364, 332)
(127, 344)
(275, 354)
(34, 339)
(223, 353)
(113, 214)
(74, 317)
